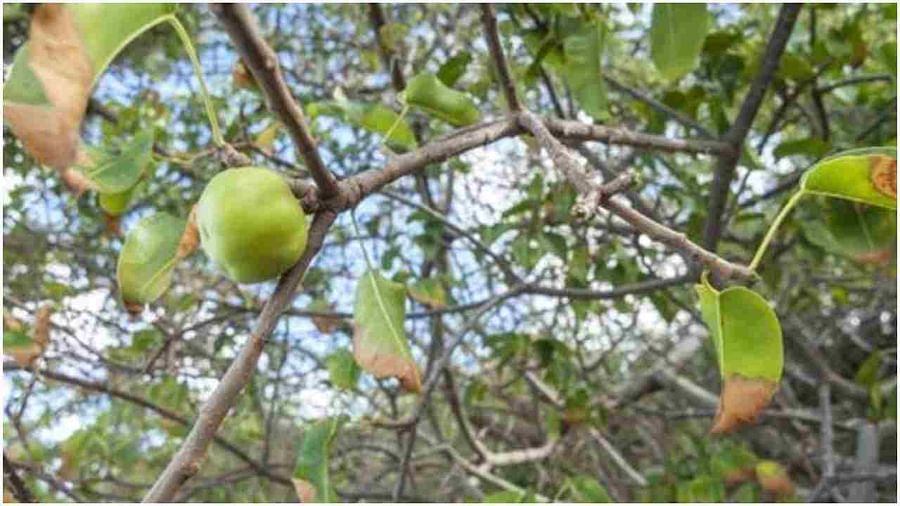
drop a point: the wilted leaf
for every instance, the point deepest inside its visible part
(49, 85)
(151, 250)
(25, 349)
(379, 341)
(747, 338)
(429, 292)
(342, 370)
(241, 77)
(677, 32)
(325, 324)
(311, 479)
(866, 175)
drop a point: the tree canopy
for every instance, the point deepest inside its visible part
(550, 252)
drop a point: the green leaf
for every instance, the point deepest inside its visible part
(703, 488)
(747, 338)
(147, 259)
(865, 175)
(865, 234)
(311, 479)
(379, 341)
(867, 374)
(812, 147)
(583, 51)
(429, 292)
(677, 32)
(454, 68)
(506, 496)
(44, 101)
(342, 370)
(428, 93)
(795, 68)
(118, 172)
(585, 488)
(375, 118)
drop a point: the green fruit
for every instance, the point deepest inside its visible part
(251, 224)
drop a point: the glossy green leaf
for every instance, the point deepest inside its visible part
(148, 257)
(454, 68)
(311, 479)
(380, 346)
(584, 50)
(747, 338)
(677, 32)
(429, 292)
(426, 92)
(44, 102)
(342, 370)
(118, 172)
(865, 175)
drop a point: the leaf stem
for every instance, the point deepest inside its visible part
(774, 228)
(192, 54)
(387, 136)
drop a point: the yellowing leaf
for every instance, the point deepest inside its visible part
(266, 139)
(429, 292)
(747, 338)
(50, 82)
(773, 478)
(379, 341)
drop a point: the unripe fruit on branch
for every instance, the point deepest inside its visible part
(251, 224)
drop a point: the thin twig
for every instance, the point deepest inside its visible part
(492, 36)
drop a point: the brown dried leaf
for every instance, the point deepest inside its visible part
(384, 365)
(10, 322)
(773, 478)
(241, 77)
(59, 60)
(305, 490)
(883, 174)
(741, 401)
(190, 239)
(40, 333)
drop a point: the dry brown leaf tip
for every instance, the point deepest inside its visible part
(383, 365)
(741, 401)
(190, 238)
(58, 59)
(883, 173)
(306, 492)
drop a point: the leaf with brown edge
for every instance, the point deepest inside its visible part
(772, 477)
(883, 173)
(747, 339)
(311, 479)
(741, 401)
(22, 347)
(379, 341)
(324, 323)
(49, 84)
(241, 77)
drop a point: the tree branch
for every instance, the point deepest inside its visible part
(186, 463)
(492, 36)
(566, 162)
(262, 62)
(735, 136)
